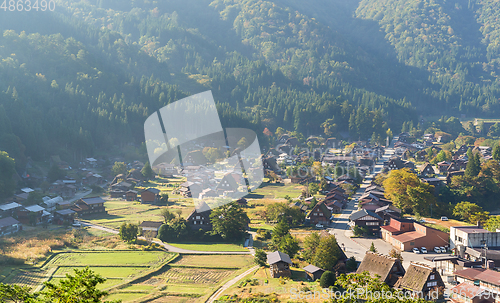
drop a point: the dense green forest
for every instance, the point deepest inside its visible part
(82, 80)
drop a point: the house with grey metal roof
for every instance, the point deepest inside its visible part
(313, 272)
(9, 226)
(279, 264)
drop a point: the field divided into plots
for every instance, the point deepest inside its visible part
(117, 267)
(140, 276)
(189, 278)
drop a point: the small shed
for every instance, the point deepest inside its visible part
(131, 195)
(279, 264)
(313, 272)
(150, 227)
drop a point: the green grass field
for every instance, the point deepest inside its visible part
(116, 266)
(120, 211)
(277, 191)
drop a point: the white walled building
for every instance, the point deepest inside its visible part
(473, 237)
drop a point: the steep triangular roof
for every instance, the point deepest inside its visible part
(377, 264)
(415, 277)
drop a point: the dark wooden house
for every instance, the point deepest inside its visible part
(279, 264)
(313, 272)
(131, 195)
(86, 206)
(64, 216)
(426, 169)
(199, 218)
(150, 195)
(9, 226)
(320, 214)
(366, 218)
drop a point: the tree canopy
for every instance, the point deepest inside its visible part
(229, 221)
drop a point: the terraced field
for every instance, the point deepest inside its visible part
(139, 276)
(116, 266)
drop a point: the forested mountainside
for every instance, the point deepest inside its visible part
(83, 78)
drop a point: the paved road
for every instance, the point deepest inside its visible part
(228, 284)
(170, 247)
(357, 247)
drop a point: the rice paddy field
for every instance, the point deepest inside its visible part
(116, 266)
(139, 276)
(189, 278)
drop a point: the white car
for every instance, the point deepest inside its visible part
(423, 250)
(415, 250)
(319, 225)
(444, 218)
(437, 250)
(443, 250)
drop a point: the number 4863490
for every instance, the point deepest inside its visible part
(27, 5)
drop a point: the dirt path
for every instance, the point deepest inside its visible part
(228, 284)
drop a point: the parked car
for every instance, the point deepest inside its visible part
(415, 250)
(319, 225)
(444, 218)
(437, 250)
(443, 250)
(423, 250)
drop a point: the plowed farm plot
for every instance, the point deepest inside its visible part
(29, 278)
(184, 275)
(197, 276)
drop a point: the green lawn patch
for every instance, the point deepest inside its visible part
(278, 190)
